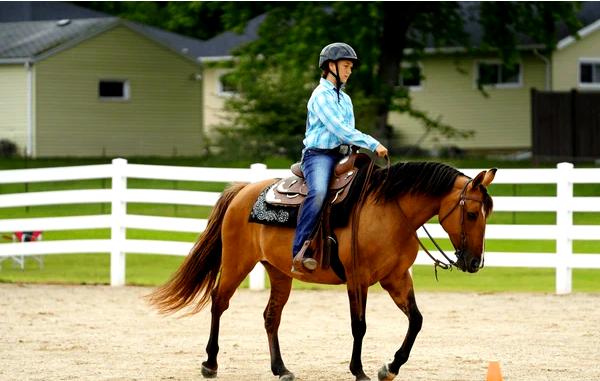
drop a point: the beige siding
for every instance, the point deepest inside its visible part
(565, 62)
(214, 99)
(14, 105)
(500, 121)
(162, 117)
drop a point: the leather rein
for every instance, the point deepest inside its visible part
(463, 236)
(354, 243)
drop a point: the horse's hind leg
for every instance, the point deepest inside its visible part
(281, 286)
(401, 291)
(230, 279)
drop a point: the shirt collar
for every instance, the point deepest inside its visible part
(328, 84)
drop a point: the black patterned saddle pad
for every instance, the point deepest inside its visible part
(277, 215)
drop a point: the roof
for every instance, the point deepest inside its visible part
(14, 11)
(36, 40)
(219, 47)
(29, 28)
(25, 41)
(223, 45)
(589, 17)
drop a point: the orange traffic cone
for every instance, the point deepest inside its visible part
(493, 373)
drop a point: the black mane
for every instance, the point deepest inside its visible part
(428, 178)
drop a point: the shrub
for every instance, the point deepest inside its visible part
(7, 148)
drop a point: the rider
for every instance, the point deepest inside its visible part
(329, 125)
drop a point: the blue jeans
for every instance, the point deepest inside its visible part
(317, 166)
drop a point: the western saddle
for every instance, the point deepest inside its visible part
(292, 191)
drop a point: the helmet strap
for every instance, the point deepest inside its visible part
(338, 82)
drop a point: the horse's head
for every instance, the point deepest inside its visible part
(463, 215)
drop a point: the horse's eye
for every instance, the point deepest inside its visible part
(472, 216)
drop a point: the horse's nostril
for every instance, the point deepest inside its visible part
(475, 264)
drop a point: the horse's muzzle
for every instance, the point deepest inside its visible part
(474, 265)
(466, 262)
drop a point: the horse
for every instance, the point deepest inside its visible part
(396, 201)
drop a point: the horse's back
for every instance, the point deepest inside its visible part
(240, 237)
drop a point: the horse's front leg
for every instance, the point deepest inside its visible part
(359, 328)
(401, 290)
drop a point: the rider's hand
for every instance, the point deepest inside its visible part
(381, 151)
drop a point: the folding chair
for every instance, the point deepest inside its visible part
(25, 237)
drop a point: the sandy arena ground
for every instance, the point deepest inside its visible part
(103, 333)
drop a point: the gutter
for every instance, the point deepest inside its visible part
(30, 149)
(548, 79)
(214, 59)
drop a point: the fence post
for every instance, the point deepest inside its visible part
(257, 275)
(564, 223)
(117, 228)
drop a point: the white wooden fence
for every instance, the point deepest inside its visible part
(564, 204)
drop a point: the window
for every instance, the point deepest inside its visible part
(113, 89)
(410, 76)
(589, 73)
(227, 84)
(498, 75)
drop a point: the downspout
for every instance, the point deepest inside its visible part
(30, 150)
(548, 84)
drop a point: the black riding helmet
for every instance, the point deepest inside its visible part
(335, 52)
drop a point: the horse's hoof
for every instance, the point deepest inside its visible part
(362, 377)
(207, 372)
(287, 377)
(384, 374)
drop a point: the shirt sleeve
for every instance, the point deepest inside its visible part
(333, 120)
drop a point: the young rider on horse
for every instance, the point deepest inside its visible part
(329, 126)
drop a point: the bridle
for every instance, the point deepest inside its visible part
(461, 202)
(463, 235)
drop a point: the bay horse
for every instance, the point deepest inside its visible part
(397, 200)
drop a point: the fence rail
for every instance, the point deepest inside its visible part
(119, 195)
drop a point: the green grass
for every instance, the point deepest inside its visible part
(152, 270)
(501, 279)
(155, 269)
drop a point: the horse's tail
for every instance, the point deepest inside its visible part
(198, 273)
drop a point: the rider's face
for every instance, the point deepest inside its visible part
(345, 67)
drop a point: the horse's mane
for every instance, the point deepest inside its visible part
(428, 178)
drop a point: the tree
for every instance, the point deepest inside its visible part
(276, 73)
(199, 19)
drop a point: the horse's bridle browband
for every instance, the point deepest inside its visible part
(463, 236)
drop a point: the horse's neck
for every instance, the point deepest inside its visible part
(418, 208)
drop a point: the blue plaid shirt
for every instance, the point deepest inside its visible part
(331, 123)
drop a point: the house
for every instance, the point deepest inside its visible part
(96, 85)
(449, 90)
(501, 121)
(216, 57)
(171, 89)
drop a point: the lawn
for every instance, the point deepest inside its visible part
(152, 270)
(155, 269)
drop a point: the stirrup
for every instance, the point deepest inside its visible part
(300, 262)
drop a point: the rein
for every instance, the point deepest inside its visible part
(463, 237)
(355, 222)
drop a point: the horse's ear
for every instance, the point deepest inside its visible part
(489, 177)
(484, 178)
(478, 179)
